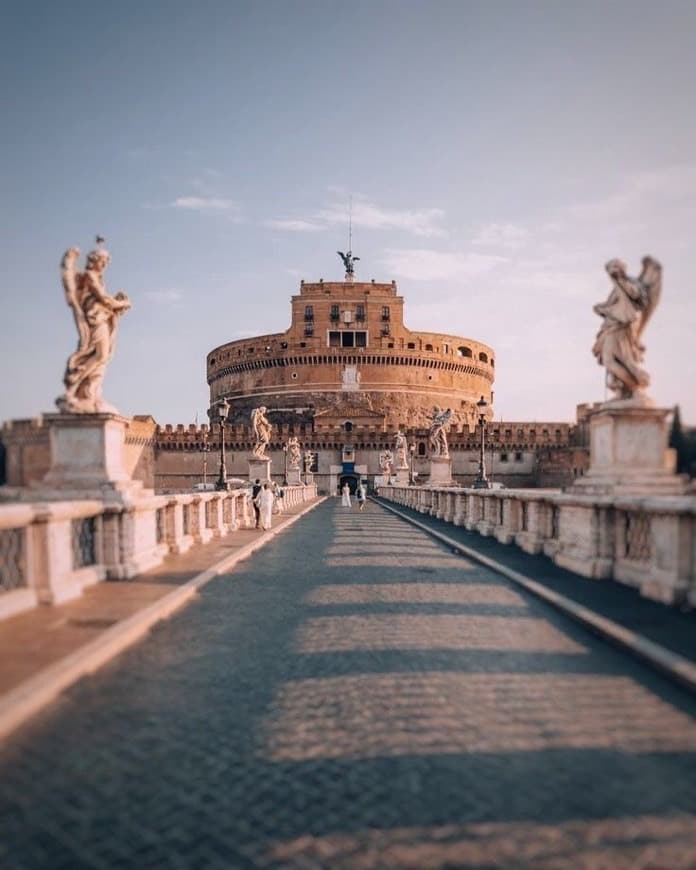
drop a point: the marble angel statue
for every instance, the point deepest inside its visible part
(400, 448)
(96, 315)
(294, 452)
(625, 314)
(438, 435)
(262, 432)
(386, 462)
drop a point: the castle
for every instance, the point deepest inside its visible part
(344, 378)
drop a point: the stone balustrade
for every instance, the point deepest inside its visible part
(51, 551)
(646, 542)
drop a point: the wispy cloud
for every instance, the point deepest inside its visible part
(369, 215)
(295, 225)
(501, 236)
(639, 191)
(205, 204)
(366, 214)
(169, 295)
(421, 264)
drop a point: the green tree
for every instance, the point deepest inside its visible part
(681, 444)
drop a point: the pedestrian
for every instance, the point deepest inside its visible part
(265, 501)
(361, 495)
(345, 495)
(255, 490)
(276, 497)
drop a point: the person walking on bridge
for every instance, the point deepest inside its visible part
(255, 490)
(345, 495)
(361, 496)
(265, 501)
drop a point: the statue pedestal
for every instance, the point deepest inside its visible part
(400, 476)
(309, 478)
(294, 477)
(260, 469)
(628, 452)
(440, 471)
(87, 456)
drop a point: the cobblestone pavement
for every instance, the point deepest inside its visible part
(355, 695)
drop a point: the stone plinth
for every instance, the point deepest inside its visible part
(260, 469)
(400, 477)
(628, 452)
(440, 471)
(294, 477)
(87, 457)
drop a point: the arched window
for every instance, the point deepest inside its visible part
(428, 347)
(464, 351)
(483, 357)
(411, 345)
(348, 426)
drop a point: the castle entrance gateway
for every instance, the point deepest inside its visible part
(352, 479)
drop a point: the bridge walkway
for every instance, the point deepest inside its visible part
(356, 695)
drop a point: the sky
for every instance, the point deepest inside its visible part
(497, 154)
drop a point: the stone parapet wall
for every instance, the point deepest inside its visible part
(649, 543)
(51, 551)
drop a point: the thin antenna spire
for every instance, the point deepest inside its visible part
(350, 223)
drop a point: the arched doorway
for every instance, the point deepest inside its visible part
(351, 479)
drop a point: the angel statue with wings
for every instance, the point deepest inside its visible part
(438, 436)
(294, 452)
(96, 318)
(349, 262)
(625, 314)
(261, 428)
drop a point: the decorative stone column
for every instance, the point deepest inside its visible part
(628, 451)
(440, 471)
(87, 456)
(293, 477)
(260, 469)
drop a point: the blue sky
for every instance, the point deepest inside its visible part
(498, 154)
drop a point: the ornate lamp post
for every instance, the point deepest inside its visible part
(412, 454)
(285, 464)
(482, 481)
(223, 409)
(206, 450)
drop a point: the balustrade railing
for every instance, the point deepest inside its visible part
(649, 543)
(51, 551)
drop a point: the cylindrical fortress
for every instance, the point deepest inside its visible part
(347, 348)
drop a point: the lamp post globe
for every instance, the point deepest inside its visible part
(223, 409)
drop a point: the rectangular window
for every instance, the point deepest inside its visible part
(503, 457)
(347, 339)
(361, 339)
(309, 312)
(385, 312)
(334, 339)
(335, 312)
(518, 456)
(309, 330)
(359, 312)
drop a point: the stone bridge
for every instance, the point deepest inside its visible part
(358, 693)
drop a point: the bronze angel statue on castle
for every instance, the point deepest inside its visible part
(349, 262)
(96, 317)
